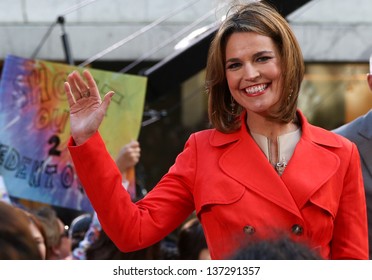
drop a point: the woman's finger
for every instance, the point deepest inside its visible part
(70, 97)
(81, 84)
(106, 100)
(91, 83)
(74, 89)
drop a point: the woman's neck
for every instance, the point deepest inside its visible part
(269, 128)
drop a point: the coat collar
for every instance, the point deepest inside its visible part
(310, 132)
(364, 146)
(310, 166)
(365, 128)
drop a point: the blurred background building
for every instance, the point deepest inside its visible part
(167, 41)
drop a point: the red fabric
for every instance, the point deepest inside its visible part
(230, 183)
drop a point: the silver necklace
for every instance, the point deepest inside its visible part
(280, 166)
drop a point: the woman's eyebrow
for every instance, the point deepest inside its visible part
(258, 54)
(261, 53)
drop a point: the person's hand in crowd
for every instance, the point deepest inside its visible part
(128, 156)
(369, 80)
(87, 110)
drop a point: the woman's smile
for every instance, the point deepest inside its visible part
(256, 89)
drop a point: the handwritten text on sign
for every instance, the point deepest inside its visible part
(35, 128)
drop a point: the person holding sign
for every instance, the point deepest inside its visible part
(126, 161)
(262, 171)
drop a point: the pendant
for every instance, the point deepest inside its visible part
(280, 166)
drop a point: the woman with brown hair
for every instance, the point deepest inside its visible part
(16, 240)
(263, 170)
(38, 233)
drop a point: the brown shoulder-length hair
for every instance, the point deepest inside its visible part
(265, 20)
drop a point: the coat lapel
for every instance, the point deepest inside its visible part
(309, 168)
(365, 151)
(312, 164)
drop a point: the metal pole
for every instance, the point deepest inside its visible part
(65, 42)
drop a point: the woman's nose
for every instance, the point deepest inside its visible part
(251, 73)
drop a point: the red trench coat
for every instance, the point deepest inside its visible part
(236, 192)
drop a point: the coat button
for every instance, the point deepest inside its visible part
(249, 230)
(297, 229)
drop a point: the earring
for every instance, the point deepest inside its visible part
(232, 105)
(230, 116)
(290, 94)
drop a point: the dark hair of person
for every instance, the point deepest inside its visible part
(49, 220)
(282, 248)
(191, 240)
(265, 20)
(36, 221)
(16, 240)
(104, 249)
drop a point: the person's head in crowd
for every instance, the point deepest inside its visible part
(78, 228)
(38, 232)
(191, 241)
(58, 240)
(104, 249)
(16, 240)
(168, 247)
(282, 248)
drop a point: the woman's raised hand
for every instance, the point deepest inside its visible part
(87, 110)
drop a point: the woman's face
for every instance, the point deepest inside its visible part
(253, 72)
(39, 239)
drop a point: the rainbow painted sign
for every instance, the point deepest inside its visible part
(35, 128)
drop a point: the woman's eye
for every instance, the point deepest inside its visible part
(233, 65)
(263, 58)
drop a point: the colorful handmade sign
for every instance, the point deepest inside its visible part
(35, 128)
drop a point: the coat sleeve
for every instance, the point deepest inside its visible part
(350, 237)
(133, 226)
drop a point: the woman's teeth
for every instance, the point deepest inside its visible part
(256, 89)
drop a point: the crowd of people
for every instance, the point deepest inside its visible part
(84, 238)
(39, 234)
(261, 183)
